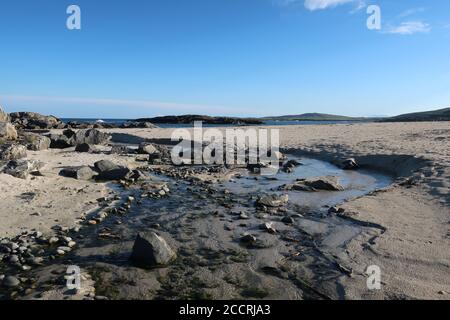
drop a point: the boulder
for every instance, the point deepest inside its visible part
(150, 250)
(22, 168)
(32, 120)
(79, 173)
(328, 183)
(120, 173)
(90, 136)
(105, 165)
(3, 115)
(273, 200)
(84, 147)
(59, 141)
(36, 142)
(12, 151)
(7, 131)
(121, 149)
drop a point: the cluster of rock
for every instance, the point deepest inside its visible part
(34, 121)
(70, 138)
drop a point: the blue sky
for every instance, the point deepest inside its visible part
(139, 58)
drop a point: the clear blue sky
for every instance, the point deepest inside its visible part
(140, 58)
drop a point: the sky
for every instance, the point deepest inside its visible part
(143, 58)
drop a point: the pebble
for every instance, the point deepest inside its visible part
(248, 238)
(287, 220)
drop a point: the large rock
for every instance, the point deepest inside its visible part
(105, 165)
(141, 125)
(22, 168)
(273, 200)
(151, 250)
(79, 173)
(7, 131)
(90, 136)
(12, 151)
(3, 115)
(328, 183)
(59, 141)
(36, 142)
(33, 120)
(120, 173)
(84, 148)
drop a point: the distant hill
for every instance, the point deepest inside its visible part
(437, 115)
(316, 117)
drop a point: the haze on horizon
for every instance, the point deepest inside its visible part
(142, 58)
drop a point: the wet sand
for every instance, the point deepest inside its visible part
(411, 248)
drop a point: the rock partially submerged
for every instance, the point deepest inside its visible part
(349, 164)
(150, 250)
(327, 183)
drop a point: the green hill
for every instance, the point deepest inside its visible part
(316, 117)
(436, 115)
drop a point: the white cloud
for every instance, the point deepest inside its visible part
(410, 27)
(324, 4)
(410, 12)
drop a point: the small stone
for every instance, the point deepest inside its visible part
(248, 238)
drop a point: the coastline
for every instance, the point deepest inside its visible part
(413, 252)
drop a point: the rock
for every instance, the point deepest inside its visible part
(336, 210)
(32, 120)
(248, 239)
(10, 282)
(22, 168)
(290, 166)
(121, 173)
(90, 136)
(273, 200)
(12, 152)
(7, 131)
(36, 142)
(328, 183)
(268, 226)
(59, 141)
(3, 115)
(147, 148)
(84, 147)
(105, 165)
(151, 250)
(349, 164)
(287, 220)
(79, 173)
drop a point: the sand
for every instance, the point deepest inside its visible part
(413, 253)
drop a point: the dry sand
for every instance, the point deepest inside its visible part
(413, 254)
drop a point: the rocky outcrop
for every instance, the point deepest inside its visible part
(33, 120)
(70, 138)
(7, 131)
(11, 151)
(138, 125)
(150, 250)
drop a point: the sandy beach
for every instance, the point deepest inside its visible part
(413, 251)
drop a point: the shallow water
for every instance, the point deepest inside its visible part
(202, 223)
